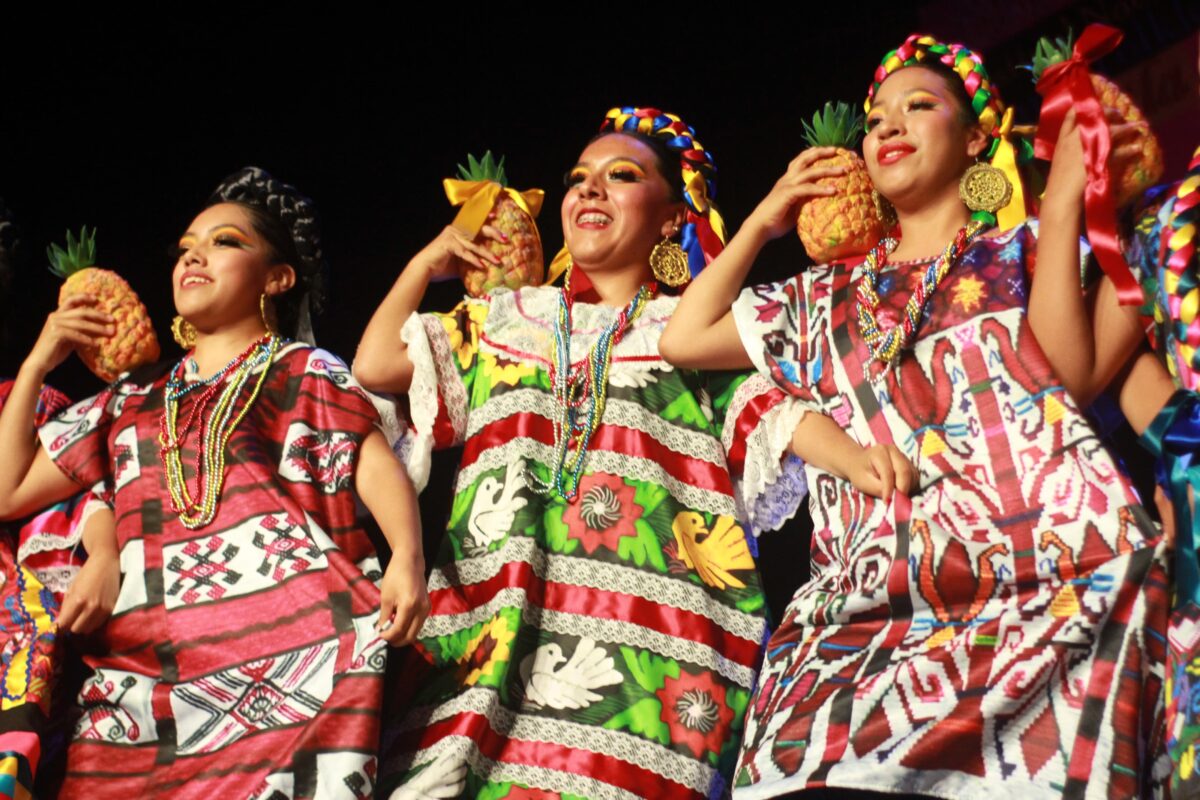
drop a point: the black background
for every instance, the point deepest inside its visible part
(129, 124)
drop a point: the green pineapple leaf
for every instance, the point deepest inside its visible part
(834, 126)
(79, 255)
(485, 169)
(1050, 51)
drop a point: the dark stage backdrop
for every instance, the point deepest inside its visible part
(107, 125)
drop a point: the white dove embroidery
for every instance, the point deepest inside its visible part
(495, 506)
(569, 686)
(444, 777)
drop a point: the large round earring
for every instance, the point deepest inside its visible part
(267, 312)
(669, 263)
(884, 210)
(183, 332)
(984, 188)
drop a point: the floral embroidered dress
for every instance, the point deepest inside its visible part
(241, 659)
(1001, 632)
(38, 557)
(604, 648)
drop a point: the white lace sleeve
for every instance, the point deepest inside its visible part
(436, 388)
(769, 482)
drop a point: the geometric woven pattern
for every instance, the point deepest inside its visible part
(1000, 632)
(234, 665)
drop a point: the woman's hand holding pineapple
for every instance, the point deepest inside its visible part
(452, 252)
(76, 323)
(777, 213)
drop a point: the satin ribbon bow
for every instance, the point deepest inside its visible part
(478, 197)
(1068, 85)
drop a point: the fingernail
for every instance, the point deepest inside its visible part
(504, 236)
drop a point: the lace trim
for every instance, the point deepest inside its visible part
(421, 338)
(596, 628)
(460, 748)
(632, 749)
(624, 465)
(57, 580)
(522, 322)
(601, 576)
(772, 486)
(694, 444)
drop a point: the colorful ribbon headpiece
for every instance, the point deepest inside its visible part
(1006, 150)
(703, 234)
(1180, 286)
(1068, 85)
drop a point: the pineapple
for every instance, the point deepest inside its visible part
(1137, 176)
(520, 257)
(845, 224)
(134, 342)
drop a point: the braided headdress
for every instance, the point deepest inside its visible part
(255, 187)
(1005, 150)
(1181, 276)
(703, 234)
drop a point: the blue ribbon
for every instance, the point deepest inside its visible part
(1174, 440)
(690, 243)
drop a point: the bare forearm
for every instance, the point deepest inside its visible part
(701, 332)
(382, 363)
(822, 443)
(18, 441)
(388, 494)
(1058, 311)
(1143, 390)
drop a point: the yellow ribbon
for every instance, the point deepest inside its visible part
(558, 266)
(1005, 160)
(478, 197)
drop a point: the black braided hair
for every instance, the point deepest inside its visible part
(288, 222)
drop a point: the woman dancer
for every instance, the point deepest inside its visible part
(244, 655)
(1001, 634)
(596, 612)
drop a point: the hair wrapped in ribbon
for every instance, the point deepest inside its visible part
(1006, 149)
(288, 220)
(703, 234)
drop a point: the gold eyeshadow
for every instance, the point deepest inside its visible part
(232, 231)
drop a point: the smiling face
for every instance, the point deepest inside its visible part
(224, 267)
(618, 205)
(918, 144)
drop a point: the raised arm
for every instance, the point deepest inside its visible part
(389, 495)
(382, 363)
(1087, 339)
(701, 333)
(28, 479)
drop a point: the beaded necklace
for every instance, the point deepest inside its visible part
(213, 432)
(886, 346)
(580, 391)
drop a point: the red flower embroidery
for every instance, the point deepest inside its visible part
(604, 512)
(694, 708)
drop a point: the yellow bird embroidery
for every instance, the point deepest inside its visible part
(713, 554)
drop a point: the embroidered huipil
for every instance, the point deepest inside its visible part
(603, 648)
(240, 660)
(1001, 632)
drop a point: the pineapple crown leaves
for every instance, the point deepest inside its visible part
(483, 169)
(1050, 51)
(837, 125)
(79, 255)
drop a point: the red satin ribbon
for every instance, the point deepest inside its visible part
(1068, 85)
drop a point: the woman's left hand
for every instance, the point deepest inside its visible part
(403, 601)
(92, 595)
(1068, 178)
